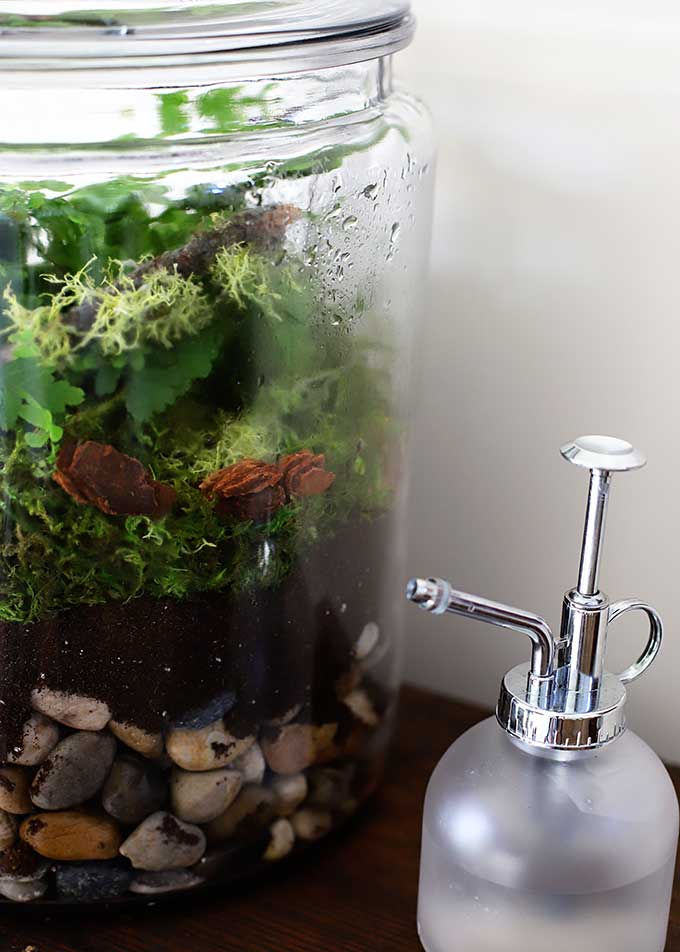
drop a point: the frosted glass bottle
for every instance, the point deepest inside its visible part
(552, 827)
(540, 851)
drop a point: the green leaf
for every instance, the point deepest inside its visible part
(166, 376)
(30, 393)
(106, 380)
(36, 438)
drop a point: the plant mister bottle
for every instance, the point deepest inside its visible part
(551, 827)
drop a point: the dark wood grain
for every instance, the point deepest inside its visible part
(354, 893)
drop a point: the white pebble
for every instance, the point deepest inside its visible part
(367, 641)
(361, 706)
(201, 797)
(251, 765)
(163, 842)
(40, 736)
(290, 792)
(73, 710)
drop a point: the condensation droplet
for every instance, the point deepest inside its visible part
(371, 191)
(350, 222)
(394, 233)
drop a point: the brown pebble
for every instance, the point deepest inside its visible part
(297, 746)
(71, 835)
(14, 790)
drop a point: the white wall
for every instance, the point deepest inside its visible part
(555, 311)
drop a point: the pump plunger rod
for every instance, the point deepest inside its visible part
(593, 531)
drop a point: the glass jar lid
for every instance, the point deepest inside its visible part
(73, 35)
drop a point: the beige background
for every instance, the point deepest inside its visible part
(555, 311)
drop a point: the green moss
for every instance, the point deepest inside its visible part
(189, 375)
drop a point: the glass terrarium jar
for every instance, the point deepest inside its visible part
(214, 223)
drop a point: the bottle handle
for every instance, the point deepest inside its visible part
(655, 635)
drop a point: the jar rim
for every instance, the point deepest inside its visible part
(251, 37)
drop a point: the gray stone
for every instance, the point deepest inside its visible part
(250, 812)
(74, 772)
(166, 881)
(92, 880)
(74, 710)
(200, 797)
(207, 714)
(40, 736)
(21, 891)
(207, 748)
(134, 789)
(162, 841)
(282, 840)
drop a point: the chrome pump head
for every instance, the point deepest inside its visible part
(564, 699)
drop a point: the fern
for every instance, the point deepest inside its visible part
(30, 394)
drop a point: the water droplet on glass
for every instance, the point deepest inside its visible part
(370, 191)
(394, 233)
(350, 222)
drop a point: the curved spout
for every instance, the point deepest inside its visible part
(436, 595)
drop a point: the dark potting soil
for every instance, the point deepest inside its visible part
(257, 655)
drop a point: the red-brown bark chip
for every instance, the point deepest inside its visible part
(99, 475)
(305, 474)
(249, 489)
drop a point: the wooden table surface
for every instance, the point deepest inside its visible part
(354, 893)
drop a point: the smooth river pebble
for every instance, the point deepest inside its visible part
(249, 813)
(74, 772)
(169, 880)
(164, 842)
(146, 743)
(74, 710)
(134, 789)
(39, 737)
(200, 797)
(71, 835)
(297, 746)
(207, 748)
(14, 790)
(90, 881)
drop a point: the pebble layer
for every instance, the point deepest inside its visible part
(104, 795)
